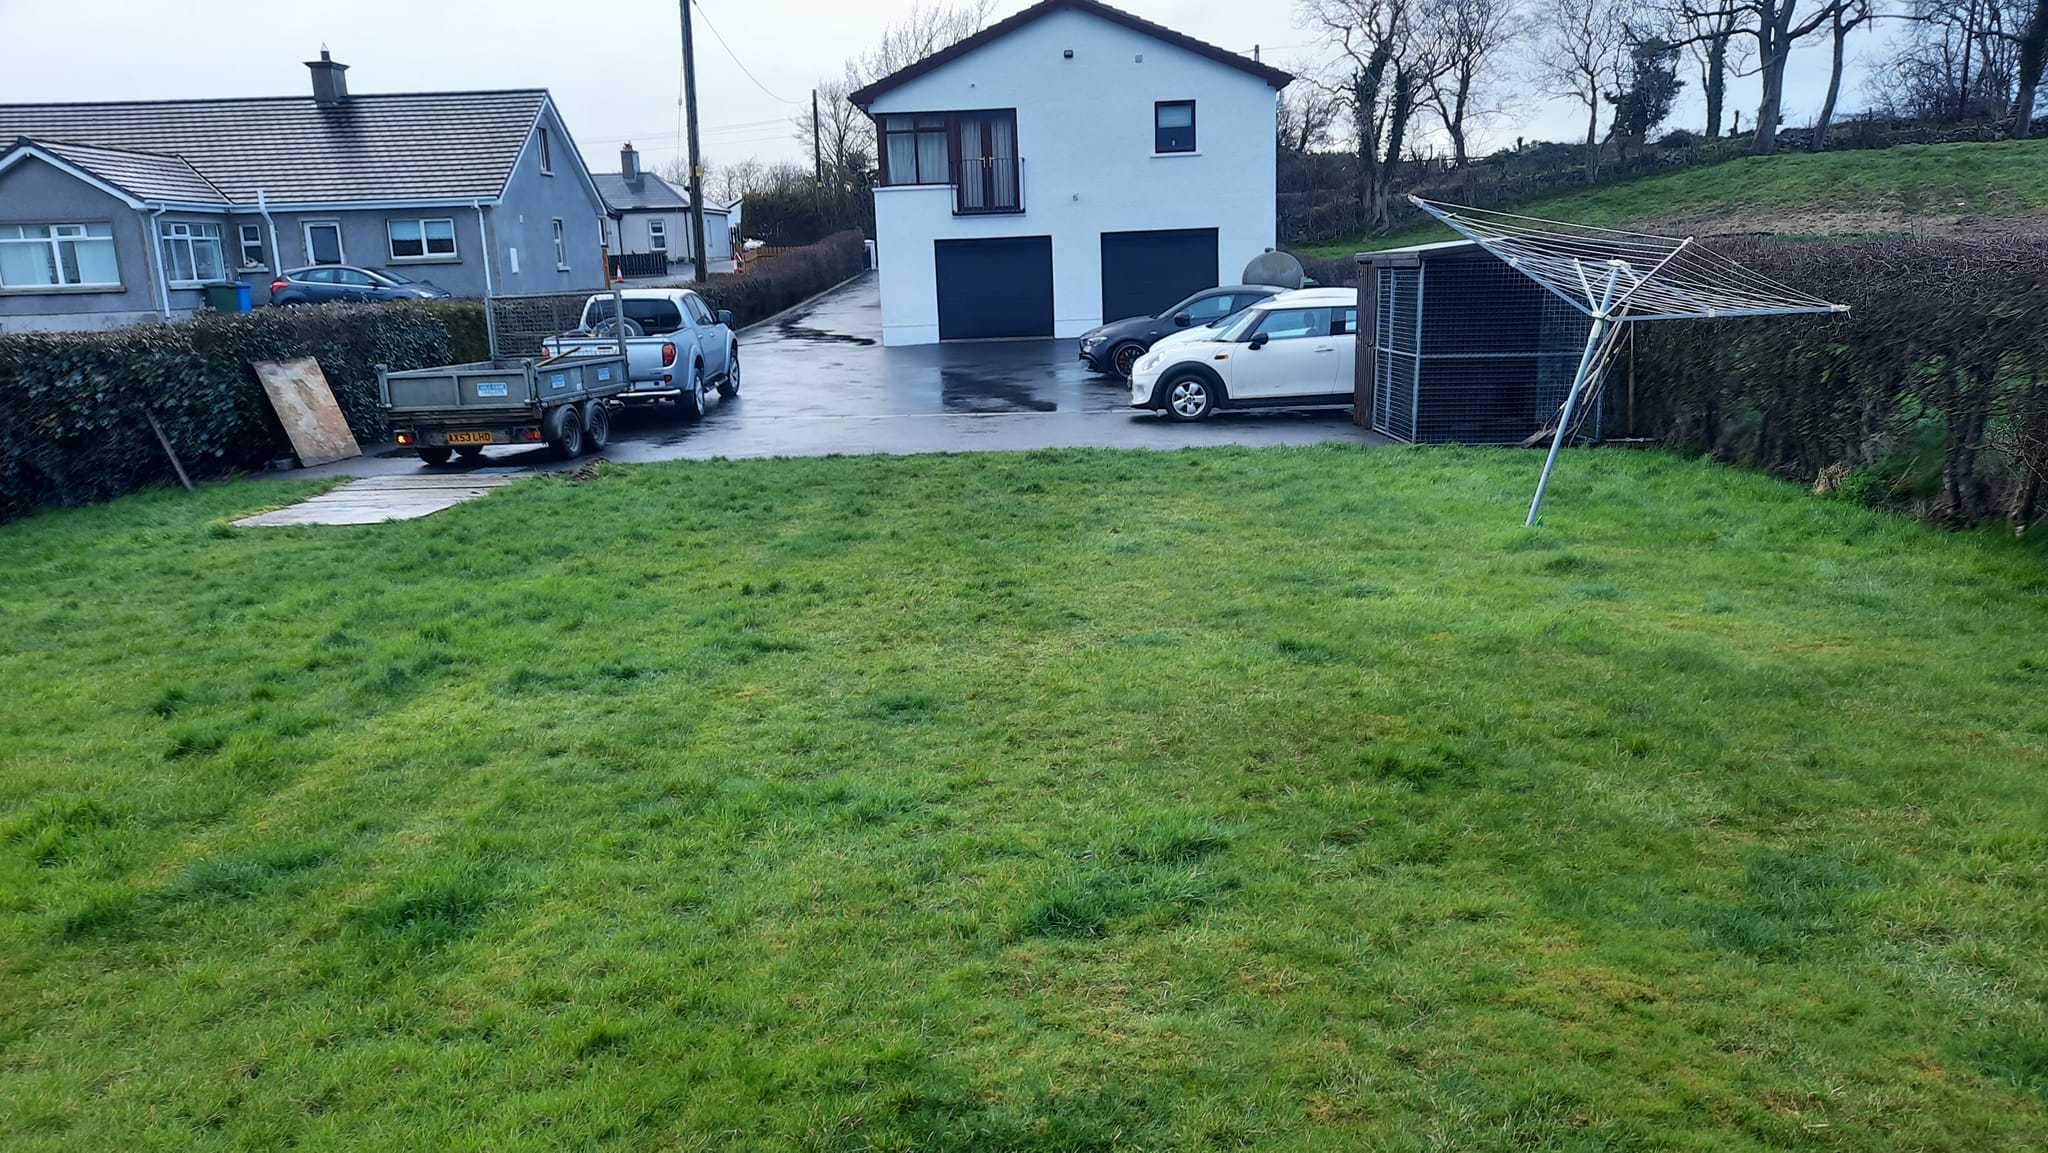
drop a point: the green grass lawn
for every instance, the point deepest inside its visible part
(1280, 799)
(1889, 185)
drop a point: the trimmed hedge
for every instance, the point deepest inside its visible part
(72, 429)
(787, 280)
(469, 337)
(1931, 396)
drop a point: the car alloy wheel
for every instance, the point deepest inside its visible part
(1188, 398)
(1126, 358)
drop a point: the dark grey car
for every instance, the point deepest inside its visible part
(1113, 348)
(326, 283)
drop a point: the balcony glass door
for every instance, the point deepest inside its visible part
(988, 178)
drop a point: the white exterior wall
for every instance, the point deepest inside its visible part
(1085, 133)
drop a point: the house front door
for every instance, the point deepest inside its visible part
(323, 243)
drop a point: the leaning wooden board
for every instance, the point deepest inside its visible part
(305, 406)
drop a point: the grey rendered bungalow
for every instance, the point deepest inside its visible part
(114, 213)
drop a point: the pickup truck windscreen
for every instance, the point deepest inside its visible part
(655, 317)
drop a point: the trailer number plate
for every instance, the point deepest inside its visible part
(491, 388)
(476, 437)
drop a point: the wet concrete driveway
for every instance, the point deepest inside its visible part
(817, 380)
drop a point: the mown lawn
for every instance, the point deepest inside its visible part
(1282, 799)
(2007, 178)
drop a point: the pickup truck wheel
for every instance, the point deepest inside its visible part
(436, 455)
(569, 445)
(597, 426)
(730, 386)
(690, 401)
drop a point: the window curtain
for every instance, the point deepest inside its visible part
(931, 156)
(1003, 154)
(973, 165)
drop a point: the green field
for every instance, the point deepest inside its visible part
(1226, 799)
(1951, 189)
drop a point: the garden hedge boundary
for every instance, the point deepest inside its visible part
(1930, 396)
(72, 423)
(72, 429)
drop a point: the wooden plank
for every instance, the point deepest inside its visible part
(305, 406)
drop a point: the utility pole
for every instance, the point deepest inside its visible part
(696, 161)
(817, 158)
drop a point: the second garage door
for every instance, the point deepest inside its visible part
(994, 288)
(1145, 272)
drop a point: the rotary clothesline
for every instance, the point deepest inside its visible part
(1617, 277)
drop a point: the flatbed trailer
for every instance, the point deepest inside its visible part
(564, 402)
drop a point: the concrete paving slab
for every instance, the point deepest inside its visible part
(377, 499)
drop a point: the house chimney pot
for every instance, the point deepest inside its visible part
(629, 162)
(330, 86)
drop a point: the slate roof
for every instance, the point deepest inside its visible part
(142, 175)
(873, 92)
(401, 146)
(648, 192)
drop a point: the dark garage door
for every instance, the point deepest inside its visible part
(1144, 272)
(995, 288)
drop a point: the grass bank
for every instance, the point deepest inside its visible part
(1284, 799)
(1916, 189)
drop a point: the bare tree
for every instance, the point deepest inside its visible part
(1470, 35)
(1847, 17)
(1585, 45)
(1711, 40)
(1391, 65)
(1961, 59)
(1776, 28)
(725, 183)
(2032, 41)
(928, 28)
(1309, 113)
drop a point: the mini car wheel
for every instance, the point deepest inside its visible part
(1190, 397)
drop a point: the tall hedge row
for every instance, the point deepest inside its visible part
(782, 281)
(1931, 395)
(72, 423)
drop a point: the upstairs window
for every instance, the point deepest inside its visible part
(422, 239)
(36, 256)
(192, 253)
(1173, 126)
(547, 157)
(561, 248)
(915, 150)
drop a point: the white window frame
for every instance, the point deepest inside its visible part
(53, 240)
(306, 231)
(245, 232)
(191, 235)
(427, 255)
(657, 235)
(561, 246)
(547, 154)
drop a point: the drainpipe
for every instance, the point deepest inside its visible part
(483, 243)
(156, 261)
(276, 253)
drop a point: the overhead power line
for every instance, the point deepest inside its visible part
(736, 60)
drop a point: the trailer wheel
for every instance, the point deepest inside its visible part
(435, 455)
(597, 425)
(568, 442)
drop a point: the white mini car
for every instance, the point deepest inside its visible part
(1295, 350)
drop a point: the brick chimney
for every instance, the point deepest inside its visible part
(330, 87)
(629, 163)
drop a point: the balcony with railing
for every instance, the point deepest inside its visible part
(988, 186)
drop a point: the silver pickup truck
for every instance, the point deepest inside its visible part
(675, 346)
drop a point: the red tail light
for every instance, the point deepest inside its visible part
(668, 354)
(277, 286)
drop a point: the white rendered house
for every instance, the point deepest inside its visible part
(1069, 165)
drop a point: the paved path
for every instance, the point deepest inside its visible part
(816, 381)
(378, 499)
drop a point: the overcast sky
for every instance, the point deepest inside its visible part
(613, 66)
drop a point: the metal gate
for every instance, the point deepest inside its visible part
(1397, 352)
